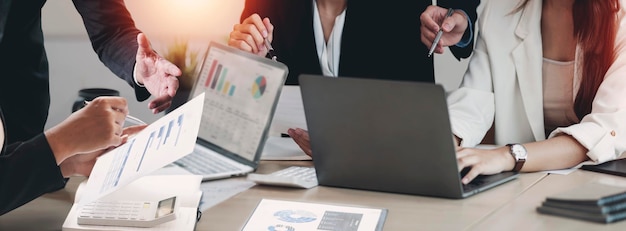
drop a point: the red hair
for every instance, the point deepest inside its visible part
(595, 28)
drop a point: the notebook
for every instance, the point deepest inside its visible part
(242, 91)
(383, 135)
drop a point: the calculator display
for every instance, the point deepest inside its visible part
(166, 207)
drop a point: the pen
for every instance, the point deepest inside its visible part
(270, 49)
(439, 33)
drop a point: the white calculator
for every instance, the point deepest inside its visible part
(128, 213)
(294, 176)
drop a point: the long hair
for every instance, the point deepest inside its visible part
(595, 29)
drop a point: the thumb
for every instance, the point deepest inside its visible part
(144, 44)
(448, 24)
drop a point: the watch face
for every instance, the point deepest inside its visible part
(519, 151)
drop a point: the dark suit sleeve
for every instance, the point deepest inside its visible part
(469, 6)
(27, 171)
(113, 37)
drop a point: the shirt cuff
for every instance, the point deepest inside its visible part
(135, 76)
(467, 37)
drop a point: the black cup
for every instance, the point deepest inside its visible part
(88, 94)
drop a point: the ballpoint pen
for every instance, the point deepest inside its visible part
(439, 33)
(270, 49)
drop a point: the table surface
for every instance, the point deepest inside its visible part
(510, 206)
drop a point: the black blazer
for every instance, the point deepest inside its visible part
(27, 170)
(380, 39)
(27, 166)
(24, 83)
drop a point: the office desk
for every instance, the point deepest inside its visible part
(406, 212)
(520, 214)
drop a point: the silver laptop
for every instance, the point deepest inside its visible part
(242, 91)
(384, 135)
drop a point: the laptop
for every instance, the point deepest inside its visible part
(241, 93)
(384, 135)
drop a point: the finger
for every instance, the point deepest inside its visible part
(462, 160)
(116, 140)
(427, 18)
(170, 68)
(270, 29)
(258, 23)
(248, 34)
(448, 24)
(439, 49)
(427, 37)
(116, 103)
(162, 107)
(132, 130)
(255, 26)
(473, 173)
(298, 139)
(427, 42)
(144, 45)
(157, 101)
(304, 139)
(239, 44)
(172, 85)
(457, 22)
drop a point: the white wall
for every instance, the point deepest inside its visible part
(74, 65)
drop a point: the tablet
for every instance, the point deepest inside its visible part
(614, 167)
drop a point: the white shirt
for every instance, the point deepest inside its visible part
(328, 52)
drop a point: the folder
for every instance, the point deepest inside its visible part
(152, 188)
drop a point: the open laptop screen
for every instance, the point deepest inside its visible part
(241, 93)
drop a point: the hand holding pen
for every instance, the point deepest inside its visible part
(253, 35)
(450, 24)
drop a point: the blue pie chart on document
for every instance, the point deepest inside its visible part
(295, 216)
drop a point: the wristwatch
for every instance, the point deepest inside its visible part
(519, 154)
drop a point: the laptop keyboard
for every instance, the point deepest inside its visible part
(205, 163)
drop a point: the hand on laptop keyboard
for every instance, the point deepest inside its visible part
(294, 176)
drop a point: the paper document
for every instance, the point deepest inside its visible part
(217, 191)
(289, 111)
(166, 140)
(289, 215)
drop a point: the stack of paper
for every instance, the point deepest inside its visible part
(595, 202)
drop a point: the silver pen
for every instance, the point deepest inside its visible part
(439, 33)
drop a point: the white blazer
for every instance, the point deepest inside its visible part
(504, 78)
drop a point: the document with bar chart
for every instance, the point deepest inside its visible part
(164, 141)
(241, 92)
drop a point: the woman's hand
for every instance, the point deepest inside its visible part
(250, 35)
(301, 137)
(82, 164)
(483, 161)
